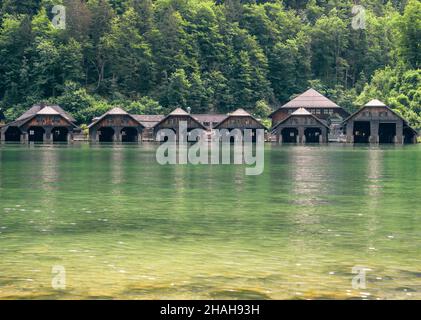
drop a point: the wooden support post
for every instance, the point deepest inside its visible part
(47, 138)
(93, 135)
(350, 132)
(399, 138)
(301, 135)
(117, 134)
(374, 132)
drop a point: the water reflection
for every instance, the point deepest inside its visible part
(126, 227)
(117, 167)
(308, 172)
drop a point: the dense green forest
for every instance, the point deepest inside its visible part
(150, 56)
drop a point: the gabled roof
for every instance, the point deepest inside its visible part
(301, 112)
(180, 112)
(149, 117)
(309, 99)
(117, 111)
(375, 103)
(38, 107)
(48, 111)
(209, 117)
(41, 110)
(148, 120)
(113, 112)
(239, 113)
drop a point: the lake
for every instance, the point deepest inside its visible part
(122, 226)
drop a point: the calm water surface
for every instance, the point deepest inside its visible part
(123, 226)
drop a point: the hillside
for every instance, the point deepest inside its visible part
(212, 56)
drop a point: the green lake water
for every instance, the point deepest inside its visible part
(125, 227)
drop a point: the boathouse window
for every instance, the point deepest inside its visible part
(317, 111)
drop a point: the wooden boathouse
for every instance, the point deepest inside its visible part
(116, 125)
(173, 121)
(41, 123)
(301, 127)
(377, 123)
(241, 119)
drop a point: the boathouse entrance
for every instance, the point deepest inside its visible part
(13, 134)
(129, 134)
(409, 135)
(289, 135)
(106, 134)
(36, 134)
(312, 135)
(60, 134)
(362, 131)
(387, 132)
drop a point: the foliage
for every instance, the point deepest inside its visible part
(152, 56)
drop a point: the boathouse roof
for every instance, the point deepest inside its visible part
(240, 113)
(301, 112)
(148, 120)
(42, 110)
(215, 118)
(113, 112)
(35, 109)
(180, 112)
(309, 99)
(48, 111)
(375, 103)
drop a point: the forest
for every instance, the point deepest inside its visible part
(150, 56)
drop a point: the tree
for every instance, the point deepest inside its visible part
(410, 33)
(128, 55)
(177, 90)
